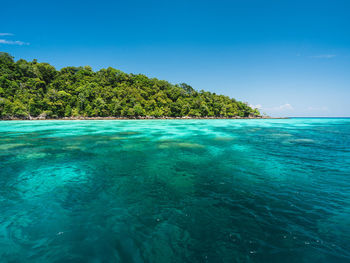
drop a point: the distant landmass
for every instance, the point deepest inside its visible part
(33, 90)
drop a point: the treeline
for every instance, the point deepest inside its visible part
(32, 89)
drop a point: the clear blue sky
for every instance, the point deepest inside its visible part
(291, 58)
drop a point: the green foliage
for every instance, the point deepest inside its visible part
(31, 89)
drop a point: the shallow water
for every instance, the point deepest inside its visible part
(175, 191)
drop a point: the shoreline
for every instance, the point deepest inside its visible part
(139, 118)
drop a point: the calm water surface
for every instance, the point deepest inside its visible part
(175, 191)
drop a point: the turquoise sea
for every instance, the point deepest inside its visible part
(175, 191)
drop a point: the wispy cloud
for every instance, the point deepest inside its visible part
(280, 108)
(283, 107)
(6, 34)
(326, 56)
(257, 106)
(323, 108)
(11, 42)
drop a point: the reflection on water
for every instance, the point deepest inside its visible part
(175, 191)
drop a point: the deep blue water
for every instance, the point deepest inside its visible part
(175, 191)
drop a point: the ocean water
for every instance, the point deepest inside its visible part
(175, 191)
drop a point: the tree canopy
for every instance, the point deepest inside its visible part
(31, 89)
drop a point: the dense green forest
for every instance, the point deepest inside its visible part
(32, 89)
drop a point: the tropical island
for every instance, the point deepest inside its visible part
(33, 90)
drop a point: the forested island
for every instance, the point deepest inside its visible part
(33, 90)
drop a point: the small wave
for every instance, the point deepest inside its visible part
(128, 133)
(281, 135)
(303, 141)
(11, 146)
(184, 145)
(117, 138)
(223, 139)
(299, 141)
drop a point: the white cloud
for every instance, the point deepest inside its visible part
(323, 108)
(281, 110)
(6, 34)
(283, 107)
(327, 56)
(257, 106)
(10, 42)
